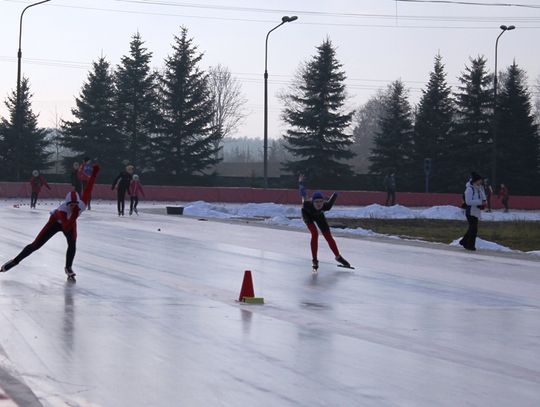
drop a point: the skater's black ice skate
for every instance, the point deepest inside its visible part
(6, 266)
(70, 274)
(315, 265)
(343, 263)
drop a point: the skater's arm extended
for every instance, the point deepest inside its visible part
(88, 190)
(44, 182)
(328, 204)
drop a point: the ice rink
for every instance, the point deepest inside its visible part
(153, 318)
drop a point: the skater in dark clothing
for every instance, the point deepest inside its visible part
(36, 183)
(63, 219)
(390, 186)
(121, 183)
(74, 178)
(135, 188)
(313, 214)
(475, 202)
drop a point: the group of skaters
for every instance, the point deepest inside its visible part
(127, 182)
(476, 198)
(64, 217)
(503, 194)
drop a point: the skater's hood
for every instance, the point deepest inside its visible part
(72, 197)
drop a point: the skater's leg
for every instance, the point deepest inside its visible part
(136, 203)
(33, 199)
(131, 204)
(331, 242)
(48, 231)
(71, 238)
(314, 239)
(469, 240)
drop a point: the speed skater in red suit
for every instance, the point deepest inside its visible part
(313, 214)
(63, 219)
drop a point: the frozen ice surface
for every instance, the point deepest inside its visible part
(153, 318)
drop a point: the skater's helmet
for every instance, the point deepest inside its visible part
(318, 200)
(72, 198)
(135, 177)
(35, 173)
(76, 165)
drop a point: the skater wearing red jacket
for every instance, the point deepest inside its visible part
(313, 213)
(63, 219)
(36, 182)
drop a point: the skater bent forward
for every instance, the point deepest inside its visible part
(313, 214)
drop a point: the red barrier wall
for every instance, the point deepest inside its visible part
(256, 195)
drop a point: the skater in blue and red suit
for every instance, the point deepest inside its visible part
(63, 219)
(36, 183)
(313, 214)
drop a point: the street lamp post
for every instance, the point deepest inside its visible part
(284, 19)
(504, 28)
(18, 117)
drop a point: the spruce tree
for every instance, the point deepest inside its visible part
(471, 141)
(136, 104)
(433, 126)
(187, 141)
(317, 136)
(93, 132)
(518, 150)
(393, 150)
(22, 144)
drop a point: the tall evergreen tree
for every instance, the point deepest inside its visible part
(471, 142)
(393, 149)
(518, 150)
(136, 103)
(22, 144)
(93, 133)
(433, 126)
(318, 122)
(187, 142)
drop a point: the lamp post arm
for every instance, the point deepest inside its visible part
(495, 73)
(21, 19)
(266, 45)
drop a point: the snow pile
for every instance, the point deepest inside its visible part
(484, 244)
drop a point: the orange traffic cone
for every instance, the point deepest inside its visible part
(247, 293)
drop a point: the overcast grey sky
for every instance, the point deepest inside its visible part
(377, 41)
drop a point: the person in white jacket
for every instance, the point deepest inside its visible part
(475, 202)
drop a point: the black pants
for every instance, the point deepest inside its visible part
(133, 204)
(390, 198)
(50, 229)
(469, 240)
(121, 200)
(33, 199)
